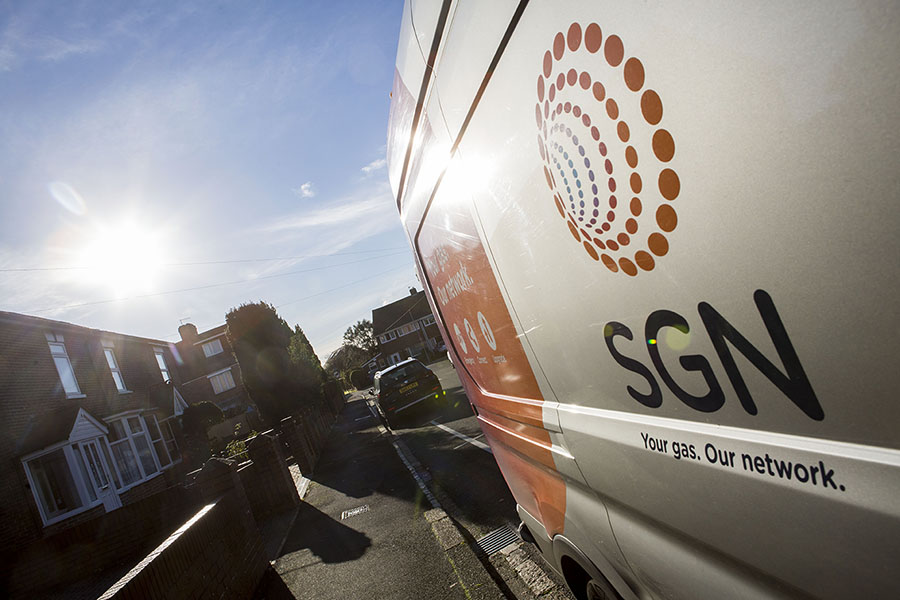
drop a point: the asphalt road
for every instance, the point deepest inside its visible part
(463, 469)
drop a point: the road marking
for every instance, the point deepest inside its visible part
(463, 437)
(464, 443)
(355, 511)
(364, 418)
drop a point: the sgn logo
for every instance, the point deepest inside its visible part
(607, 157)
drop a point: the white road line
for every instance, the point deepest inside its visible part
(466, 442)
(402, 451)
(464, 437)
(363, 418)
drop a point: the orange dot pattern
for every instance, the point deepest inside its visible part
(578, 148)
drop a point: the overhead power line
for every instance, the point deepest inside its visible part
(214, 285)
(206, 262)
(322, 293)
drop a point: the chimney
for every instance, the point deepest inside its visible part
(188, 332)
(412, 291)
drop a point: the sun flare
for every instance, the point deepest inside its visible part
(126, 257)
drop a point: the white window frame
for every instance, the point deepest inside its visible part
(213, 377)
(129, 439)
(82, 488)
(57, 341)
(159, 354)
(74, 473)
(148, 419)
(114, 369)
(212, 347)
(169, 438)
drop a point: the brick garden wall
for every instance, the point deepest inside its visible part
(217, 554)
(80, 552)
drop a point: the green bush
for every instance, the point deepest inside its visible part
(359, 379)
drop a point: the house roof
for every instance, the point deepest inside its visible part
(209, 333)
(412, 307)
(55, 426)
(18, 318)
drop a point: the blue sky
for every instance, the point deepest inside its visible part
(137, 136)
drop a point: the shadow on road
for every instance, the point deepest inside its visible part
(458, 407)
(329, 540)
(358, 461)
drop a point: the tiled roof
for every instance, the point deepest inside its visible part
(412, 307)
(47, 429)
(11, 317)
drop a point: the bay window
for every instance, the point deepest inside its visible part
(156, 438)
(53, 484)
(169, 439)
(131, 450)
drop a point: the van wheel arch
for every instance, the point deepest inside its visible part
(579, 571)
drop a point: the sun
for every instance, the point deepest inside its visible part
(125, 257)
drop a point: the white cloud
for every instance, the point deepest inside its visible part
(373, 166)
(366, 206)
(305, 191)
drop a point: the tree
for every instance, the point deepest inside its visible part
(344, 359)
(195, 420)
(362, 336)
(261, 340)
(302, 354)
(360, 379)
(199, 417)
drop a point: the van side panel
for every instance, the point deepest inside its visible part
(679, 225)
(489, 356)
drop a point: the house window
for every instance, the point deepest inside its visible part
(429, 320)
(169, 439)
(53, 484)
(63, 364)
(212, 348)
(221, 381)
(131, 450)
(161, 361)
(156, 438)
(114, 367)
(70, 479)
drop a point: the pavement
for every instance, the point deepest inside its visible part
(368, 530)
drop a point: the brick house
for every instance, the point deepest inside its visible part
(211, 373)
(89, 423)
(406, 328)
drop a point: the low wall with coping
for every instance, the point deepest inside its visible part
(218, 553)
(82, 551)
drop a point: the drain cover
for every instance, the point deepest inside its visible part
(497, 540)
(354, 511)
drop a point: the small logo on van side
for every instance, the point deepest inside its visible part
(583, 138)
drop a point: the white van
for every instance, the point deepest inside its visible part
(661, 240)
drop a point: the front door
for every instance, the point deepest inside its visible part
(99, 473)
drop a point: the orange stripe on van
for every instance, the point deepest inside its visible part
(489, 357)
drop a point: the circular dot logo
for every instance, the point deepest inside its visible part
(616, 203)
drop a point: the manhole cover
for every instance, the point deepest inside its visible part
(497, 540)
(354, 511)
